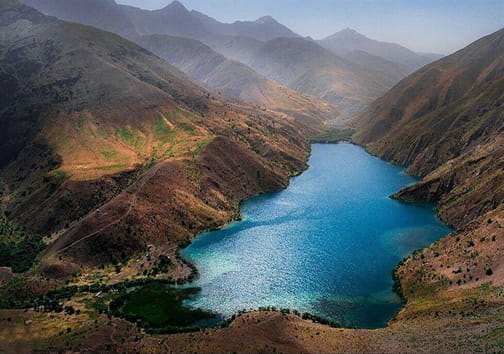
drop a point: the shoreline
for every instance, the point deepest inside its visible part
(195, 273)
(396, 286)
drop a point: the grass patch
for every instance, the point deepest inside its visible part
(162, 132)
(59, 174)
(81, 120)
(112, 167)
(109, 154)
(334, 136)
(200, 145)
(159, 307)
(126, 135)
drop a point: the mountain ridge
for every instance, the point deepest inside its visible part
(348, 40)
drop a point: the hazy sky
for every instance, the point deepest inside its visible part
(440, 26)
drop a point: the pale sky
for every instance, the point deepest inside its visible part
(440, 26)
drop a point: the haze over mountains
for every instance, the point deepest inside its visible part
(348, 40)
(300, 64)
(236, 79)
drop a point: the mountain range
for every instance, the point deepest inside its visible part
(296, 63)
(236, 79)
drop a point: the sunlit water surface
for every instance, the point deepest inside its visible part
(326, 245)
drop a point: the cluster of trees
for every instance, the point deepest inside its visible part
(17, 249)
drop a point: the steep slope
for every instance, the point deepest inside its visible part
(104, 14)
(440, 111)
(446, 123)
(90, 120)
(349, 40)
(234, 78)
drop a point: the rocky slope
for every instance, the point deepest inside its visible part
(90, 120)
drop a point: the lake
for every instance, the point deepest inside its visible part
(326, 245)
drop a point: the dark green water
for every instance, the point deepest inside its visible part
(326, 245)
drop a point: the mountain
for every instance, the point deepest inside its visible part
(176, 20)
(306, 67)
(276, 53)
(234, 78)
(349, 40)
(394, 71)
(90, 120)
(262, 29)
(104, 14)
(173, 19)
(198, 60)
(446, 122)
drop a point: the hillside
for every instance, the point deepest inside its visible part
(440, 111)
(236, 79)
(446, 123)
(109, 125)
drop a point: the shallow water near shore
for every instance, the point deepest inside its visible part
(326, 245)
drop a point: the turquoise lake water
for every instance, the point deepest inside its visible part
(326, 245)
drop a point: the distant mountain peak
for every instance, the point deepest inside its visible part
(349, 30)
(175, 6)
(265, 19)
(347, 33)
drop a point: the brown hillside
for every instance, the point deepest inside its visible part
(92, 120)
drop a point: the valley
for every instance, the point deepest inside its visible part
(126, 134)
